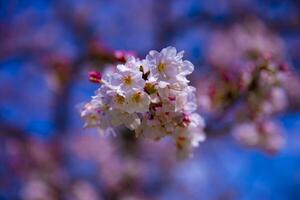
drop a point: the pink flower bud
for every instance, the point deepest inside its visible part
(122, 56)
(95, 77)
(172, 98)
(283, 67)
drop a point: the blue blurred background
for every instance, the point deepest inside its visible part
(43, 77)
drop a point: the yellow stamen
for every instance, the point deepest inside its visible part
(127, 80)
(93, 118)
(161, 67)
(150, 88)
(120, 99)
(104, 108)
(136, 97)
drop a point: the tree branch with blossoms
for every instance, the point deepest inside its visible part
(241, 94)
(248, 84)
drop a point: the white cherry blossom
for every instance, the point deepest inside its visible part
(138, 101)
(168, 65)
(150, 97)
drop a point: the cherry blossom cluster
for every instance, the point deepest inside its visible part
(242, 44)
(265, 135)
(246, 83)
(151, 97)
(265, 96)
(258, 88)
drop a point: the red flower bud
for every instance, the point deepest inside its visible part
(95, 77)
(283, 67)
(172, 98)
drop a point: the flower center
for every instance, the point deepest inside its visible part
(150, 88)
(120, 99)
(136, 97)
(93, 118)
(161, 67)
(105, 108)
(127, 80)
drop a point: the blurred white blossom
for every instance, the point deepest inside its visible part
(265, 135)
